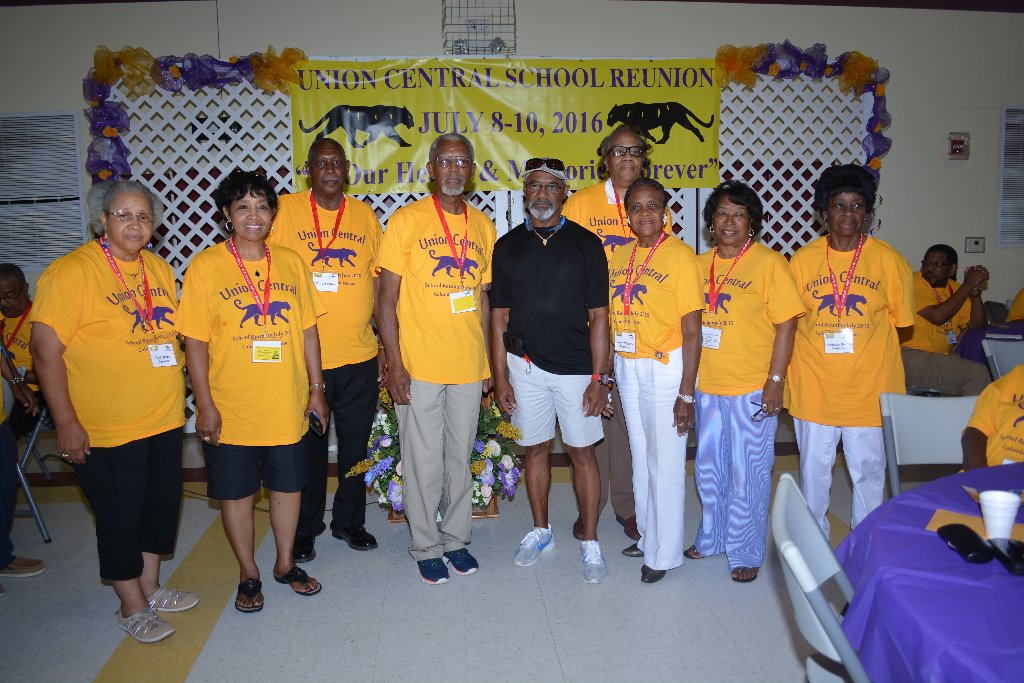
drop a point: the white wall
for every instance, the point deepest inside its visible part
(951, 71)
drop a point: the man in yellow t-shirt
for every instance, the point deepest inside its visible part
(433, 315)
(15, 330)
(995, 432)
(625, 156)
(941, 316)
(1016, 308)
(339, 238)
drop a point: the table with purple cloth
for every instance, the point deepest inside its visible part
(970, 341)
(919, 611)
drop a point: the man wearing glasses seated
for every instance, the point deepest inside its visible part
(15, 305)
(942, 315)
(549, 350)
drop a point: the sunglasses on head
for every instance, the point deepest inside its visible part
(544, 162)
(241, 172)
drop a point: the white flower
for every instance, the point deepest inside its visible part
(385, 441)
(507, 462)
(493, 448)
(486, 491)
(398, 468)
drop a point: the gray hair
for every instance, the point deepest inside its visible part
(450, 137)
(101, 198)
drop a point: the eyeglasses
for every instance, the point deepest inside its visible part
(448, 162)
(128, 216)
(544, 162)
(760, 415)
(14, 297)
(934, 264)
(550, 188)
(620, 151)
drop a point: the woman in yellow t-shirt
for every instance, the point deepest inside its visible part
(655, 307)
(248, 315)
(110, 366)
(857, 290)
(995, 432)
(748, 328)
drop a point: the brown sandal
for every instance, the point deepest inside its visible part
(251, 589)
(692, 553)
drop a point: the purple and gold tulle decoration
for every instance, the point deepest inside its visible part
(107, 158)
(108, 119)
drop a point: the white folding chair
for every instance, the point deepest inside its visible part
(922, 430)
(809, 563)
(1002, 355)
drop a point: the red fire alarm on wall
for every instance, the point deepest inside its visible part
(959, 146)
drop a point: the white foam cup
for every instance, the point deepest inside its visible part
(999, 509)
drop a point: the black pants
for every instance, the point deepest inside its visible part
(22, 423)
(352, 399)
(135, 493)
(8, 489)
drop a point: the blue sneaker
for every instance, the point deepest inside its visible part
(532, 545)
(462, 562)
(433, 570)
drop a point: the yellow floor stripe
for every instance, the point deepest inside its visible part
(211, 570)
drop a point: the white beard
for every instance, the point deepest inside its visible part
(541, 214)
(452, 187)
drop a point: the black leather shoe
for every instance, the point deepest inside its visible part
(358, 538)
(648, 575)
(303, 550)
(633, 551)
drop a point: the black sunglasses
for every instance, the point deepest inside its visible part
(544, 162)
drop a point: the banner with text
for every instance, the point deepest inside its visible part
(385, 113)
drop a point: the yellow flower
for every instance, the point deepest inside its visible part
(880, 90)
(233, 59)
(828, 70)
(385, 398)
(477, 467)
(105, 173)
(509, 431)
(175, 71)
(110, 132)
(875, 163)
(360, 467)
(773, 70)
(803, 66)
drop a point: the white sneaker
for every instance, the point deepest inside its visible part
(532, 545)
(172, 600)
(594, 568)
(145, 626)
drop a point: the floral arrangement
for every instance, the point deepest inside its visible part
(140, 74)
(857, 74)
(494, 466)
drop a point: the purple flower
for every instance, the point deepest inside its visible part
(486, 478)
(377, 470)
(385, 441)
(395, 495)
(479, 446)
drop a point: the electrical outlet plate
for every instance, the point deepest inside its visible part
(974, 245)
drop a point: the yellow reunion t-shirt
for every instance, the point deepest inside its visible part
(117, 392)
(758, 295)
(15, 339)
(841, 389)
(439, 346)
(668, 289)
(348, 262)
(1016, 308)
(598, 210)
(999, 415)
(926, 336)
(260, 403)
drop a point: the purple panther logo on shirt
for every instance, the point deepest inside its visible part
(274, 311)
(160, 314)
(343, 255)
(446, 263)
(829, 301)
(614, 241)
(634, 294)
(719, 302)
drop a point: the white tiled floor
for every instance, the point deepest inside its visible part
(375, 621)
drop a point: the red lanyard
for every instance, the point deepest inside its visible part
(841, 300)
(714, 291)
(459, 261)
(316, 222)
(146, 315)
(622, 221)
(627, 292)
(939, 300)
(21, 321)
(264, 305)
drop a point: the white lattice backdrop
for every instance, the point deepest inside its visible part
(777, 137)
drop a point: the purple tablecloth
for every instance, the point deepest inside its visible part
(920, 612)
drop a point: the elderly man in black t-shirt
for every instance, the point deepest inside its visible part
(549, 342)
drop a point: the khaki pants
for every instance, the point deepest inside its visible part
(945, 373)
(436, 431)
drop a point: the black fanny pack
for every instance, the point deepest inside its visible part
(514, 343)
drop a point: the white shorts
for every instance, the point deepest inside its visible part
(541, 396)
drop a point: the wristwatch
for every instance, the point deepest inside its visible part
(604, 380)
(687, 398)
(776, 379)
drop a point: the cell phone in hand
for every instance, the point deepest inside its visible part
(316, 424)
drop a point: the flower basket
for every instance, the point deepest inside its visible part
(495, 468)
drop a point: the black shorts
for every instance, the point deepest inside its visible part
(233, 472)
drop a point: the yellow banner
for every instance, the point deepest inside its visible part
(385, 113)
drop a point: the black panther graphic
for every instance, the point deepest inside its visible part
(646, 116)
(160, 314)
(377, 120)
(449, 262)
(274, 311)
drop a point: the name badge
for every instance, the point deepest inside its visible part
(710, 337)
(950, 337)
(463, 302)
(625, 342)
(266, 352)
(325, 282)
(839, 342)
(162, 356)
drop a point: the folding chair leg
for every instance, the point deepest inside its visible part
(33, 509)
(42, 465)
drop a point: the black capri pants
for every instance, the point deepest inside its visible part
(135, 493)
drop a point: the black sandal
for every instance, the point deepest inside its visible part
(296, 575)
(692, 553)
(249, 588)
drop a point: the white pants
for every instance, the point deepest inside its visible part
(648, 389)
(864, 451)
